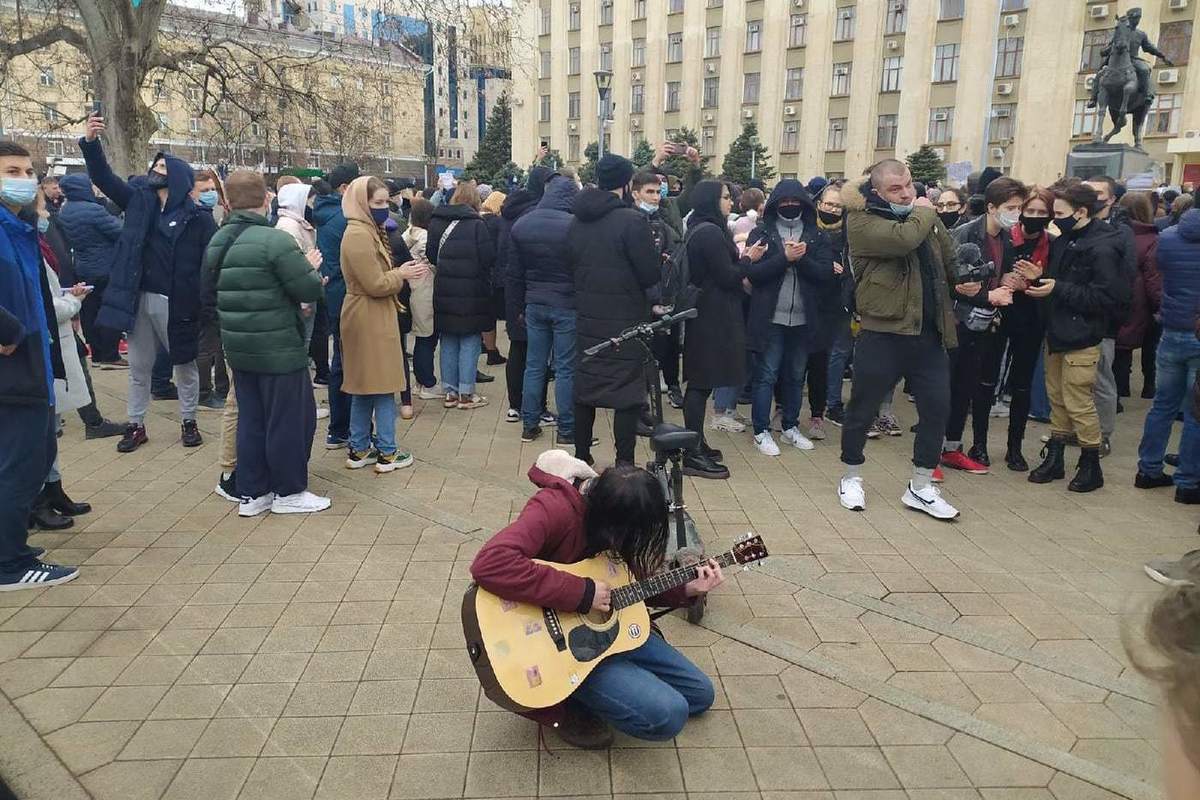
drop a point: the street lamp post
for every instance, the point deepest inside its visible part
(604, 88)
(753, 159)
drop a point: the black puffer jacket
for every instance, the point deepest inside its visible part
(537, 256)
(462, 286)
(1089, 287)
(613, 257)
(516, 205)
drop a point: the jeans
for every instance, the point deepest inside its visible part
(27, 446)
(840, 350)
(549, 330)
(783, 359)
(1178, 361)
(423, 350)
(1105, 389)
(277, 420)
(383, 408)
(725, 399)
(148, 337)
(647, 693)
(460, 362)
(339, 401)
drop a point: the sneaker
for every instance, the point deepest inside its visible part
(302, 503)
(120, 363)
(794, 437)
(335, 442)
(451, 400)
(1171, 460)
(483, 377)
(227, 488)
(957, 459)
(214, 402)
(1187, 495)
(930, 501)
(135, 436)
(836, 415)
(1144, 481)
(766, 444)
(103, 430)
(429, 393)
(190, 434)
(547, 419)
(531, 434)
(390, 463)
(1181, 572)
(674, 397)
(890, 426)
(322, 413)
(568, 440)
(877, 429)
(253, 506)
(727, 423)
(999, 410)
(938, 475)
(358, 460)
(512, 415)
(37, 575)
(851, 494)
(472, 402)
(816, 428)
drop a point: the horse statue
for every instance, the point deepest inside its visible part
(1118, 91)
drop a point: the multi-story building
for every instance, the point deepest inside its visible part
(835, 85)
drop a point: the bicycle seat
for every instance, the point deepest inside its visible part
(668, 437)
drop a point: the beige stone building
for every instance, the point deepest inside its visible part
(834, 85)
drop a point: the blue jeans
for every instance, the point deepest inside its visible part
(840, 349)
(647, 693)
(549, 329)
(383, 408)
(725, 399)
(460, 362)
(784, 358)
(1178, 360)
(1039, 401)
(339, 401)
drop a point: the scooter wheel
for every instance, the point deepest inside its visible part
(695, 612)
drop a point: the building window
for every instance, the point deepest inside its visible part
(46, 76)
(573, 147)
(1093, 43)
(885, 132)
(1012, 5)
(712, 42)
(606, 12)
(708, 141)
(54, 148)
(50, 112)
(193, 125)
(574, 18)
(637, 55)
(941, 125)
(385, 113)
(674, 48)
(672, 96)
(798, 30)
(715, 3)
(544, 108)
(544, 65)
(750, 87)
(793, 86)
(572, 61)
(639, 9)
(1008, 56)
(896, 18)
(1175, 39)
(1004, 122)
(573, 105)
(1164, 115)
(892, 67)
(952, 9)
(675, 6)
(544, 30)
(712, 92)
(840, 86)
(837, 134)
(843, 28)
(1084, 122)
(637, 98)
(945, 63)
(791, 138)
(606, 56)
(754, 36)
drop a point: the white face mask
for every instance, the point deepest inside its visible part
(1007, 219)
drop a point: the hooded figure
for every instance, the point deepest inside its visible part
(91, 231)
(516, 205)
(293, 201)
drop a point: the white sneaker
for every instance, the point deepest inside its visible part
(429, 393)
(765, 444)
(253, 506)
(999, 410)
(794, 437)
(851, 494)
(930, 501)
(322, 413)
(727, 423)
(303, 503)
(512, 415)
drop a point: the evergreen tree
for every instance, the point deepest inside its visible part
(587, 170)
(925, 165)
(508, 178)
(553, 159)
(736, 167)
(680, 166)
(495, 150)
(643, 154)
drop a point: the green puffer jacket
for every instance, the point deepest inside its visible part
(260, 285)
(886, 262)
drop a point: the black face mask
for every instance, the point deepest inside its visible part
(156, 180)
(1066, 224)
(828, 217)
(308, 215)
(789, 212)
(949, 218)
(1034, 225)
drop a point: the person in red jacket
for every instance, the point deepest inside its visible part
(647, 693)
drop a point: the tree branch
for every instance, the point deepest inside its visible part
(59, 33)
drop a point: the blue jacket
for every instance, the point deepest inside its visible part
(26, 376)
(91, 231)
(537, 255)
(330, 223)
(1179, 264)
(176, 258)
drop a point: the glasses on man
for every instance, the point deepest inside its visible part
(949, 205)
(831, 207)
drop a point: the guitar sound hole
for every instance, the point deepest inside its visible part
(595, 617)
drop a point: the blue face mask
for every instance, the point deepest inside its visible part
(662, 190)
(208, 198)
(901, 210)
(380, 215)
(649, 208)
(43, 224)
(18, 191)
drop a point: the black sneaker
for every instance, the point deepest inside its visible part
(674, 397)
(103, 430)
(37, 575)
(530, 434)
(483, 377)
(568, 439)
(836, 415)
(227, 488)
(135, 436)
(1144, 481)
(1188, 495)
(1171, 460)
(190, 436)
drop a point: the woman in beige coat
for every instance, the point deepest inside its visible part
(372, 351)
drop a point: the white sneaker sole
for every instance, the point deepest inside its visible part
(846, 504)
(226, 495)
(254, 512)
(912, 501)
(395, 465)
(338, 446)
(283, 509)
(16, 587)
(772, 453)
(801, 445)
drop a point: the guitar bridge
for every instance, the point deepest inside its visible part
(554, 628)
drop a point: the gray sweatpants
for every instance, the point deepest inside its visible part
(148, 336)
(1105, 390)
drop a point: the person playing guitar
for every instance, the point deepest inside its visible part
(650, 692)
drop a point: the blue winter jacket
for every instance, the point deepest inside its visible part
(91, 231)
(537, 256)
(330, 223)
(1179, 264)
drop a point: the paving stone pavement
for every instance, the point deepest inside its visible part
(876, 656)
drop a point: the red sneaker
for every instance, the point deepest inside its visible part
(957, 459)
(938, 475)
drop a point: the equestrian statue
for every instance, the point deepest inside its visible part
(1122, 86)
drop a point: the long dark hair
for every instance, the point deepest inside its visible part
(627, 516)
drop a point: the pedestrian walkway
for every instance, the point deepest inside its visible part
(875, 656)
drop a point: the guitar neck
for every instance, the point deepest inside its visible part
(662, 582)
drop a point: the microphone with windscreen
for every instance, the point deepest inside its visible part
(971, 268)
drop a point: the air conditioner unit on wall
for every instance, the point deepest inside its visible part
(1177, 5)
(941, 116)
(1011, 20)
(635, 123)
(708, 117)
(574, 127)
(789, 110)
(1192, 134)
(1001, 112)
(798, 3)
(997, 152)
(1168, 76)
(1004, 88)
(893, 44)
(710, 67)
(636, 77)
(1089, 81)
(1098, 11)
(748, 113)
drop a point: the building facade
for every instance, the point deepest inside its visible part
(835, 85)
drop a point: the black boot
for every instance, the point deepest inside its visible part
(1014, 459)
(43, 518)
(700, 465)
(979, 453)
(1088, 477)
(1052, 467)
(54, 497)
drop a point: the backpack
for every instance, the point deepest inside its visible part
(678, 289)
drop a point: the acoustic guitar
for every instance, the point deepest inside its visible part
(529, 657)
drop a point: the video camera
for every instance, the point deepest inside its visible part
(971, 267)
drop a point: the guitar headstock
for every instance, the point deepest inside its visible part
(748, 549)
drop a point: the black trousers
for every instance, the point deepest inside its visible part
(624, 432)
(882, 359)
(695, 405)
(277, 418)
(1023, 336)
(667, 349)
(28, 446)
(103, 341)
(318, 348)
(967, 392)
(211, 359)
(818, 382)
(89, 414)
(514, 373)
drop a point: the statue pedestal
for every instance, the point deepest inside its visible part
(1120, 161)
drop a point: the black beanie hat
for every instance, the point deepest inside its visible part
(342, 174)
(613, 172)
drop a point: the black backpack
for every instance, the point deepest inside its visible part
(678, 289)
